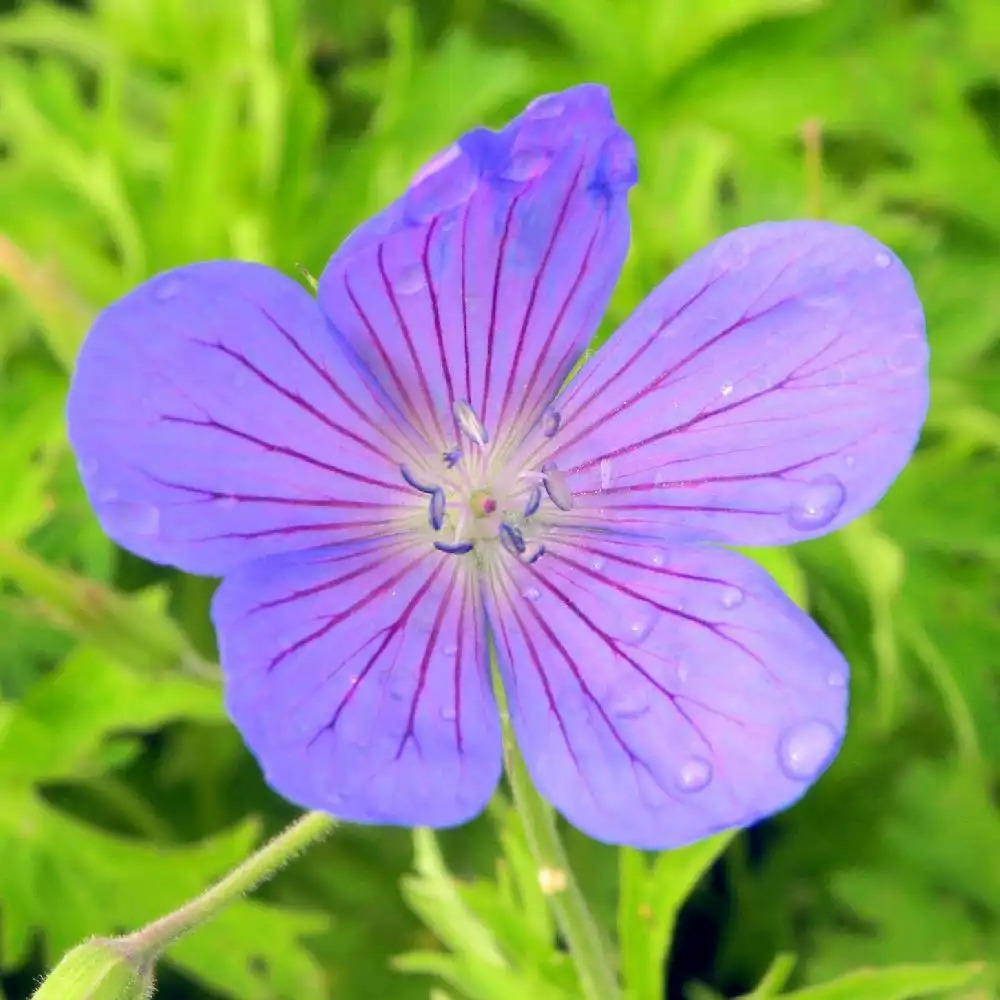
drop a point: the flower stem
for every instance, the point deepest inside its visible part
(147, 944)
(591, 954)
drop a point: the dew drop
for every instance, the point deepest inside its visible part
(850, 461)
(726, 388)
(531, 594)
(450, 649)
(908, 355)
(658, 558)
(141, 519)
(631, 703)
(606, 474)
(817, 503)
(694, 774)
(806, 748)
(731, 597)
(547, 106)
(448, 713)
(597, 563)
(526, 164)
(637, 624)
(882, 259)
(409, 280)
(836, 679)
(166, 289)
(226, 503)
(550, 422)
(683, 672)
(446, 181)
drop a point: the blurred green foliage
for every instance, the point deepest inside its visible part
(139, 135)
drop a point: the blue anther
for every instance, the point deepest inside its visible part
(436, 512)
(412, 480)
(452, 458)
(512, 539)
(454, 548)
(557, 487)
(534, 499)
(532, 553)
(551, 419)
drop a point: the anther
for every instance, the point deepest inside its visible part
(412, 480)
(551, 419)
(471, 425)
(436, 511)
(452, 458)
(557, 487)
(512, 539)
(532, 553)
(454, 548)
(534, 499)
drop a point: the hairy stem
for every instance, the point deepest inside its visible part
(152, 940)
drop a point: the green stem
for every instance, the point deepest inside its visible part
(591, 954)
(147, 944)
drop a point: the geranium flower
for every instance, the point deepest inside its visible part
(394, 478)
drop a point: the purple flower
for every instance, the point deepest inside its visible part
(396, 477)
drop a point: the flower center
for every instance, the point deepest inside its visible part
(478, 504)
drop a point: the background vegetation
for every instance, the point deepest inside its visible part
(140, 134)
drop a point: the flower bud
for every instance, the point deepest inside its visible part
(98, 969)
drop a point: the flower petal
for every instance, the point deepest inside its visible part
(358, 676)
(215, 420)
(660, 695)
(486, 280)
(768, 391)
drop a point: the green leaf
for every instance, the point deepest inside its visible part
(651, 896)
(899, 983)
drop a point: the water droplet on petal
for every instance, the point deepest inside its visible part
(637, 624)
(531, 594)
(731, 597)
(409, 280)
(166, 289)
(550, 422)
(446, 181)
(658, 558)
(557, 487)
(850, 461)
(806, 748)
(908, 355)
(629, 703)
(683, 672)
(448, 713)
(141, 519)
(526, 164)
(449, 649)
(726, 388)
(597, 563)
(547, 106)
(694, 774)
(817, 503)
(882, 259)
(226, 503)
(606, 474)
(836, 679)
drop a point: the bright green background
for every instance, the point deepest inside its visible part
(140, 134)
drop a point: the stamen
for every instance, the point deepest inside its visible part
(436, 511)
(471, 424)
(551, 419)
(512, 539)
(412, 480)
(532, 553)
(452, 458)
(534, 499)
(557, 487)
(454, 548)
